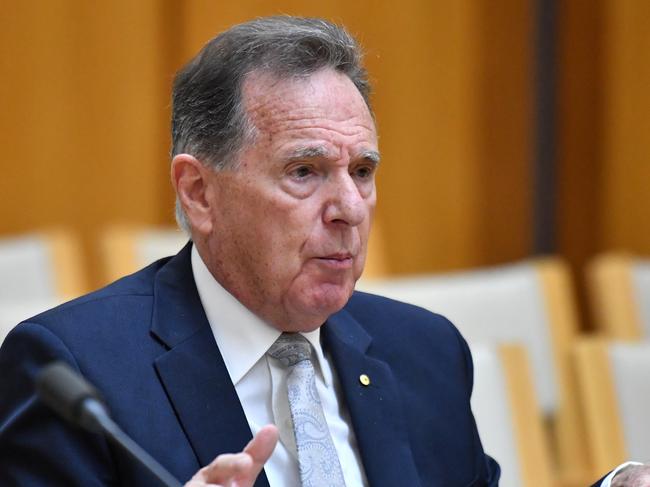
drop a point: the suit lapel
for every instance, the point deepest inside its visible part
(192, 371)
(375, 409)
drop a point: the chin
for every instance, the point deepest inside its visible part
(311, 306)
(330, 300)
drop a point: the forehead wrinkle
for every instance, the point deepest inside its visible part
(319, 128)
(272, 113)
(275, 121)
(267, 99)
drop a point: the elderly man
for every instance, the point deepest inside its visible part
(252, 339)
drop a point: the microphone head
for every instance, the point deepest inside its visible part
(65, 391)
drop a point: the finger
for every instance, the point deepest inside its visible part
(246, 465)
(224, 468)
(200, 483)
(262, 445)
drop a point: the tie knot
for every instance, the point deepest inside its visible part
(290, 349)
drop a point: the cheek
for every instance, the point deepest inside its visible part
(292, 223)
(284, 235)
(272, 231)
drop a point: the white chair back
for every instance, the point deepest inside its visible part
(508, 415)
(630, 367)
(128, 248)
(493, 413)
(641, 290)
(27, 268)
(153, 244)
(615, 396)
(619, 287)
(499, 305)
(14, 311)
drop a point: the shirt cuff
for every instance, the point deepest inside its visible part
(607, 481)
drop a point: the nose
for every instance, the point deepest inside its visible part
(345, 204)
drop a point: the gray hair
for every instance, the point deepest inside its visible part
(208, 117)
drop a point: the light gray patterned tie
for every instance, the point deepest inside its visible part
(317, 458)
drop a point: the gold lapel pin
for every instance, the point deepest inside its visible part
(364, 379)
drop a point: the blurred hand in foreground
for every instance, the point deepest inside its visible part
(239, 469)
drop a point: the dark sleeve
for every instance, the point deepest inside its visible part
(36, 447)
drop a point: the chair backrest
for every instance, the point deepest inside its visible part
(499, 305)
(42, 265)
(508, 416)
(619, 287)
(126, 249)
(529, 303)
(615, 392)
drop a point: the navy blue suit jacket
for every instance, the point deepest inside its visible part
(146, 344)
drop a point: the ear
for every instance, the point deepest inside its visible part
(194, 186)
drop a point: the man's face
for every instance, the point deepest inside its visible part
(290, 225)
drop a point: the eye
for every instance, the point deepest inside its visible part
(363, 172)
(301, 172)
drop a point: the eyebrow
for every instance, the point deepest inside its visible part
(309, 152)
(314, 152)
(372, 156)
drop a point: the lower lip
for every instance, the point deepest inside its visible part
(336, 263)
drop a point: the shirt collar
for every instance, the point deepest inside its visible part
(243, 338)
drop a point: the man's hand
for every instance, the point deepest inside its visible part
(633, 476)
(238, 469)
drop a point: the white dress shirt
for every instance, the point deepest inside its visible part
(260, 381)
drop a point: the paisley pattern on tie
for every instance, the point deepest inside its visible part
(317, 458)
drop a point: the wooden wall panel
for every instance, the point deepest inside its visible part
(85, 117)
(506, 129)
(578, 136)
(425, 99)
(603, 127)
(626, 126)
(579, 123)
(35, 57)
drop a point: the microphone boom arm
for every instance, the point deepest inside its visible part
(70, 395)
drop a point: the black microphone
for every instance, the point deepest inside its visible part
(70, 395)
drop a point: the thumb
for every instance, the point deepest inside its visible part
(262, 445)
